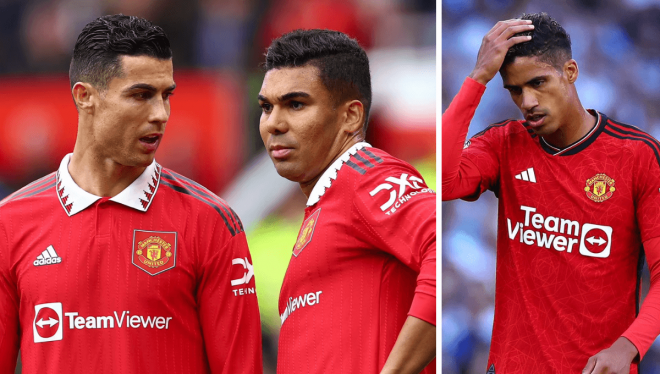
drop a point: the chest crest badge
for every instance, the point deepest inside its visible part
(306, 233)
(599, 188)
(154, 251)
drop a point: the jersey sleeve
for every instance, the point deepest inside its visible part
(468, 167)
(646, 327)
(9, 301)
(228, 312)
(397, 214)
(646, 186)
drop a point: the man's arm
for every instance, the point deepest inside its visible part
(9, 323)
(230, 320)
(414, 348)
(409, 234)
(460, 178)
(635, 341)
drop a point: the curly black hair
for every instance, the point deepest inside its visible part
(102, 41)
(550, 42)
(342, 63)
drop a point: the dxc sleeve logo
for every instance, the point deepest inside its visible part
(403, 182)
(247, 276)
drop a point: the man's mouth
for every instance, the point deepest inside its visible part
(150, 142)
(535, 120)
(150, 139)
(280, 151)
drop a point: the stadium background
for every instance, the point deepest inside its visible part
(615, 44)
(212, 135)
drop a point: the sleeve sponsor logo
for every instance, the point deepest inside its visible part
(154, 251)
(561, 234)
(49, 324)
(248, 273)
(398, 191)
(294, 304)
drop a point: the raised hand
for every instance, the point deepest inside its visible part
(495, 45)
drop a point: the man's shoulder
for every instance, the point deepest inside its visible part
(370, 162)
(384, 181)
(30, 193)
(199, 196)
(507, 127)
(632, 137)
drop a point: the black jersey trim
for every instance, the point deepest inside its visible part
(201, 190)
(366, 162)
(582, 143)
(30, 187)
(640, 138)
(355, 167)
(370, 154)
(494, 125)
(50, 185)
(240, 224)
(634, 131)
(186, 191)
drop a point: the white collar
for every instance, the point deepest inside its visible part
(330, 173)
(137, 196)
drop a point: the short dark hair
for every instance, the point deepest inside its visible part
(343, 65)
(550, 42)
(101, 43)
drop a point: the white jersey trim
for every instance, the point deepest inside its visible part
(138, 195)
(330, 173)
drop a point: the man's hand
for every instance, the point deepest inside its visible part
(414, 348)
(495, 45)
(615, 359)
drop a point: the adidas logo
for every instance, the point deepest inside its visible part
(48, 257)
(527, 175)
(491, 369)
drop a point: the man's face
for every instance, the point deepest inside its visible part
(540, 91)
(299, 125)
(130, 115)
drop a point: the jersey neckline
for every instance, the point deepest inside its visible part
(138, 195)
(578, 145)
(330, 173)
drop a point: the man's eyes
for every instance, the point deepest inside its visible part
(142, 95)
(146, 95)
(295, 105)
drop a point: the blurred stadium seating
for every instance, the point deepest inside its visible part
(212, 136)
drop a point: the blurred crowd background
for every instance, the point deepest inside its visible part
(212, 135)
(615, 44)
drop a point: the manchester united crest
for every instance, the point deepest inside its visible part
(154, 251)
(305, 235)
(599, 188)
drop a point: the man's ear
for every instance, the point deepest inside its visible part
(353, 117)
(84, 95)
(571, 70)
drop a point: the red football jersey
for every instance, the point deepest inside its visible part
(363, 261)
(571, 223)
(157, 279)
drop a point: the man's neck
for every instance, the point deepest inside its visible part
(308, 186)
(101, 176)
(579, 125)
